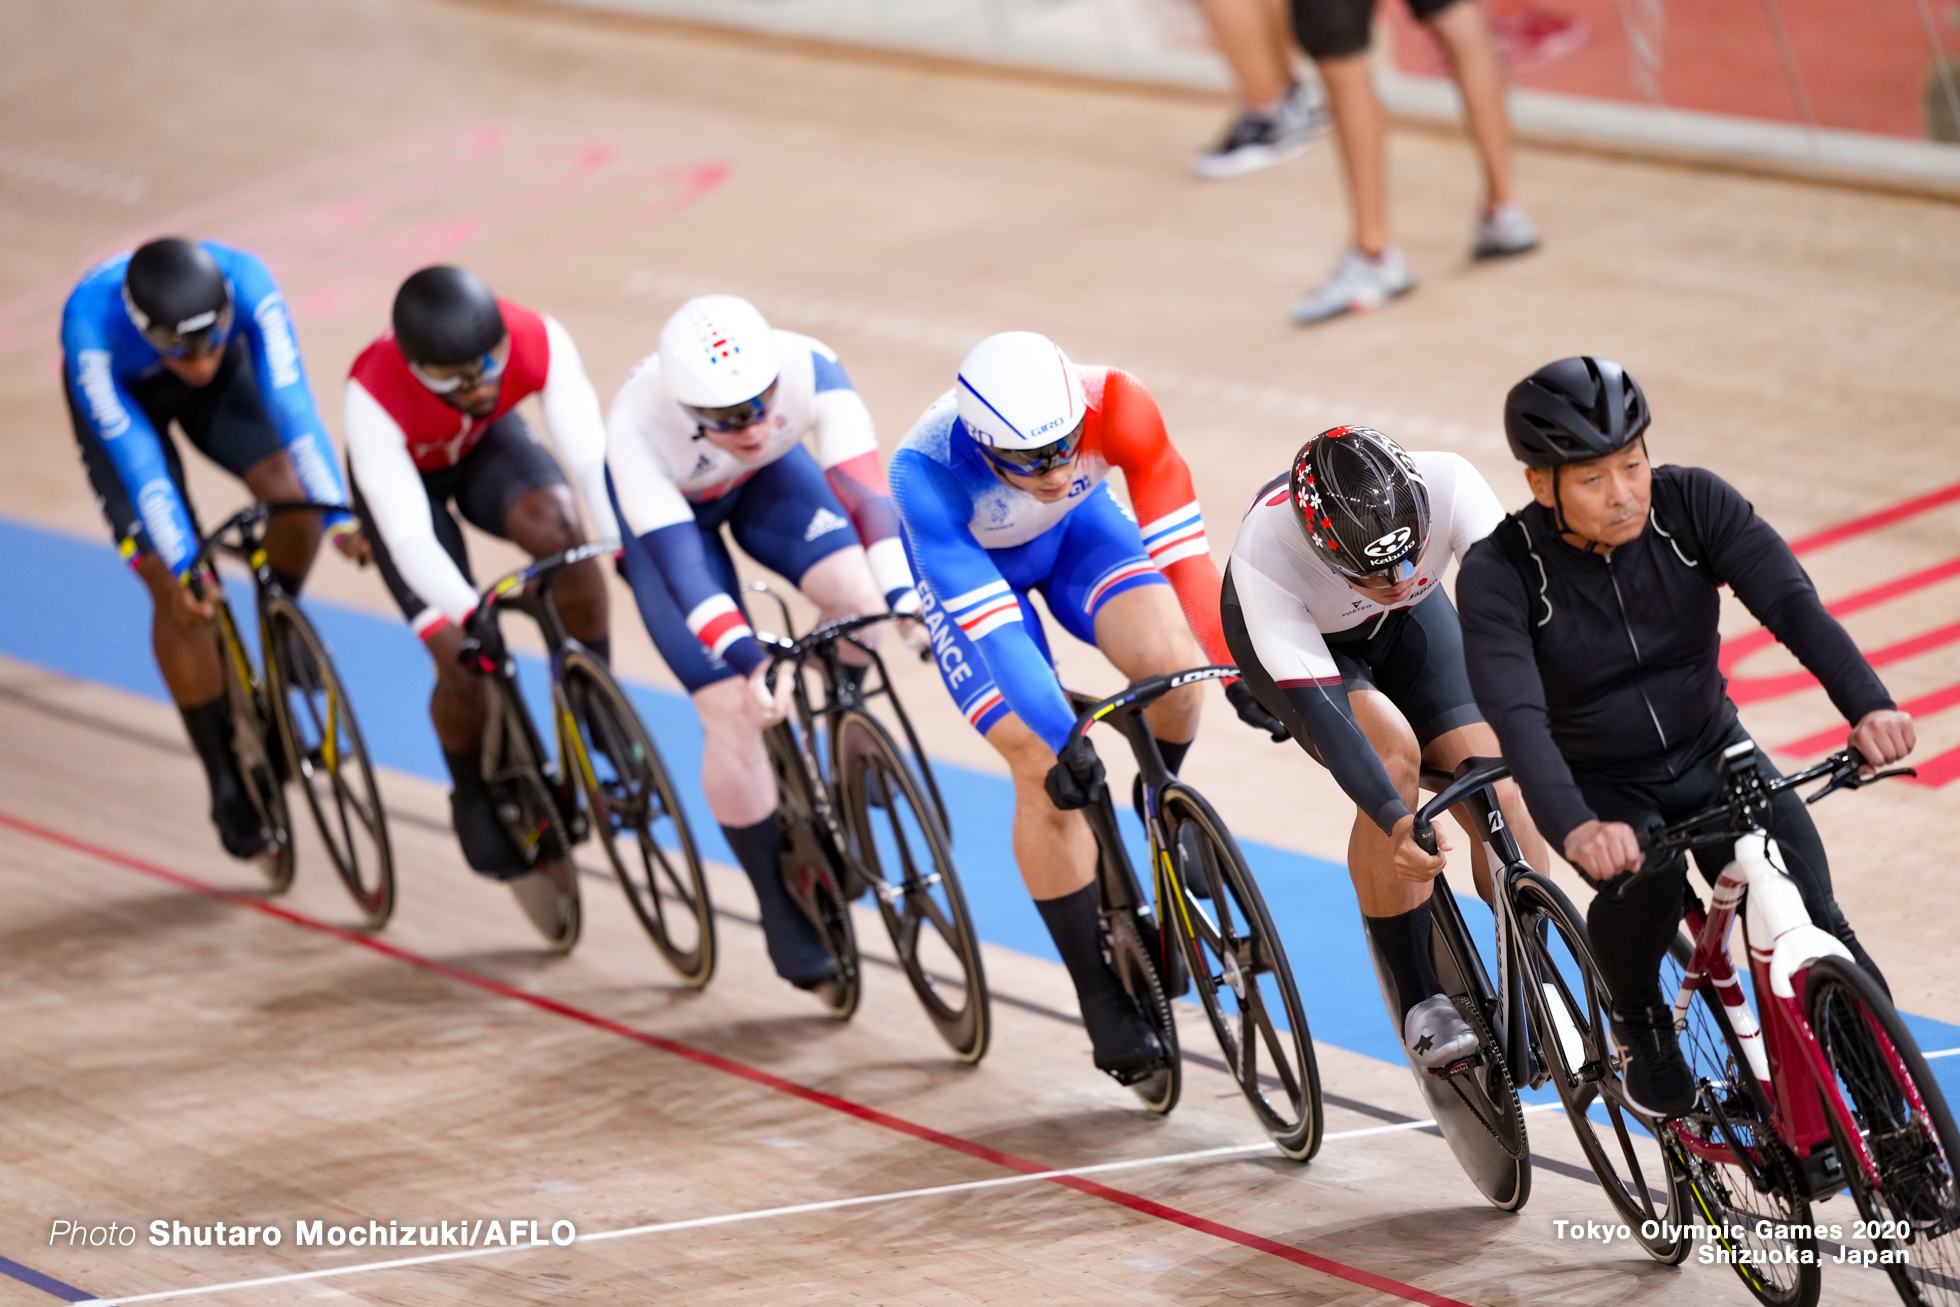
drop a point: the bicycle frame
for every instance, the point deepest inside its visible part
(1788, 1075)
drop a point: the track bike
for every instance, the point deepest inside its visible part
(291, 717)
(1226, 943)
(608, 776)
(860, 814)
(1825, 1091)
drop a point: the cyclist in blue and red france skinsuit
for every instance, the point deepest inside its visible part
(1001, 487)
(200, 335)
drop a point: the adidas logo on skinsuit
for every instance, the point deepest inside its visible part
(702, 464)
(823, 524)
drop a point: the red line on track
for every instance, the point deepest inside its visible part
(1870, 522)
(755, 1075)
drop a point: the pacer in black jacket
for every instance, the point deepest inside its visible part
(1589, 630)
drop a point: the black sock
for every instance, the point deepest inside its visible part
(288, 582)
(1173, 754)
(1403, 943)
(486, 847)
(602, 647)
(209, 726)
(794, 947)
(1075, 923)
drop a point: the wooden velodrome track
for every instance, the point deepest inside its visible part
(169, 1051)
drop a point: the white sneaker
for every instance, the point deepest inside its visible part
(1436, 1034)
(1256, 141)
(1359, 283)
(1505, 231)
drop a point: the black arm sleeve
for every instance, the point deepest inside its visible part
(1753, 559)
(1323, 722)
(1495, 611)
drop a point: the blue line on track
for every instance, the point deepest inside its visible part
(45, 1283)
(76, 609)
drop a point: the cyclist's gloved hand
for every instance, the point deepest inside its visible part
(483, 645)
(1253, 713)
(1076, 779)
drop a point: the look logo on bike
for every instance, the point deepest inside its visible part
(200, 335)
(1002, 489)
(431, 421)
(1334, 610)
(708, 431)
(1590, 629)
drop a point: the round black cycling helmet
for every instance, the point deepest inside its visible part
(176, 294)
(1574, 410)
(445, 315)
(1361, 502)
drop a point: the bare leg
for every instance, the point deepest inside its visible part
(1244, 31)
(734, 764)
(1363, 134)
(291, 539)
(841, 585)
(546, 522)
(1464, 33)
(185, 646)
(1054, 849)
(1144, 633)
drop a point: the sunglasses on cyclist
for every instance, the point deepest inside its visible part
(1040, 461)
(191, 339)
(468, 376)
(734, 417)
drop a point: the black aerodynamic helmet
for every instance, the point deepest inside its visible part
(1574, 410)
(177, 296)
(1361, 501)
(445, 315)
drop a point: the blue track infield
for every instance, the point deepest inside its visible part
(76, 609)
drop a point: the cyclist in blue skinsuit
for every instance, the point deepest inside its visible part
(198, 334)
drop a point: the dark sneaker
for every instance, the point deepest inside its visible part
(240, 827)
(1653, 1074)
(1436, 1034)
(1126, 1046)
(1255, 141)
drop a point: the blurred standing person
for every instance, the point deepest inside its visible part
(1335, 33)
(1279, 114)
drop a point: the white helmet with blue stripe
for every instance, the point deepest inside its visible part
(717, 352)
(1017, 390)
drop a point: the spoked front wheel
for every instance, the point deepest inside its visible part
(1239, 966)
(1737, 1178)
(812, 866)
(1912, 1211)
(639, 819)
(1567, 1002)
(330, 759)
(533, 822)
(898, 847)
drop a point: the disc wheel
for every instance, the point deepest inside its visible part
(901, 853)
(1138, 972)
(641, 824)
(254, 736)
(811, 862)
(1567, 1003)
(1236, 959)
(1913, 1211)
(327, 754)
(1734, 1171)
(527, 809)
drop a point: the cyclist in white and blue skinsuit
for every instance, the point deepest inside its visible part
(198, 334)
(709, 431)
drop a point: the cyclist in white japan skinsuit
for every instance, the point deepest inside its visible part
(709, 431)
(1334, 609)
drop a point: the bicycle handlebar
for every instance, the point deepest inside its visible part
(1473, 775)
(1145, 692)
(497, 593)
(1841, 767)
(252, 515)
(823, 633)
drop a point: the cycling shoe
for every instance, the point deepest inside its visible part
(240, 827)
(1126, 1047)
(1436, 1034)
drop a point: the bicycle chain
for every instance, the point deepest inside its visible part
(1489, 1044)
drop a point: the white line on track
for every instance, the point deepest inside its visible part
(766, 1213)
(1944, 1052)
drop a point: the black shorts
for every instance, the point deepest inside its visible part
(1414, 657)
(226, 421)
(506, 465)
(1335, 29)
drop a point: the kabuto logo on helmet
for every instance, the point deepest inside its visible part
(1389, 545)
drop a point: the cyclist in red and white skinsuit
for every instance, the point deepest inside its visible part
(431, 420)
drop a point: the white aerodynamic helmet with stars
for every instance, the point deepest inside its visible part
(716, 352)
(1017, 390)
